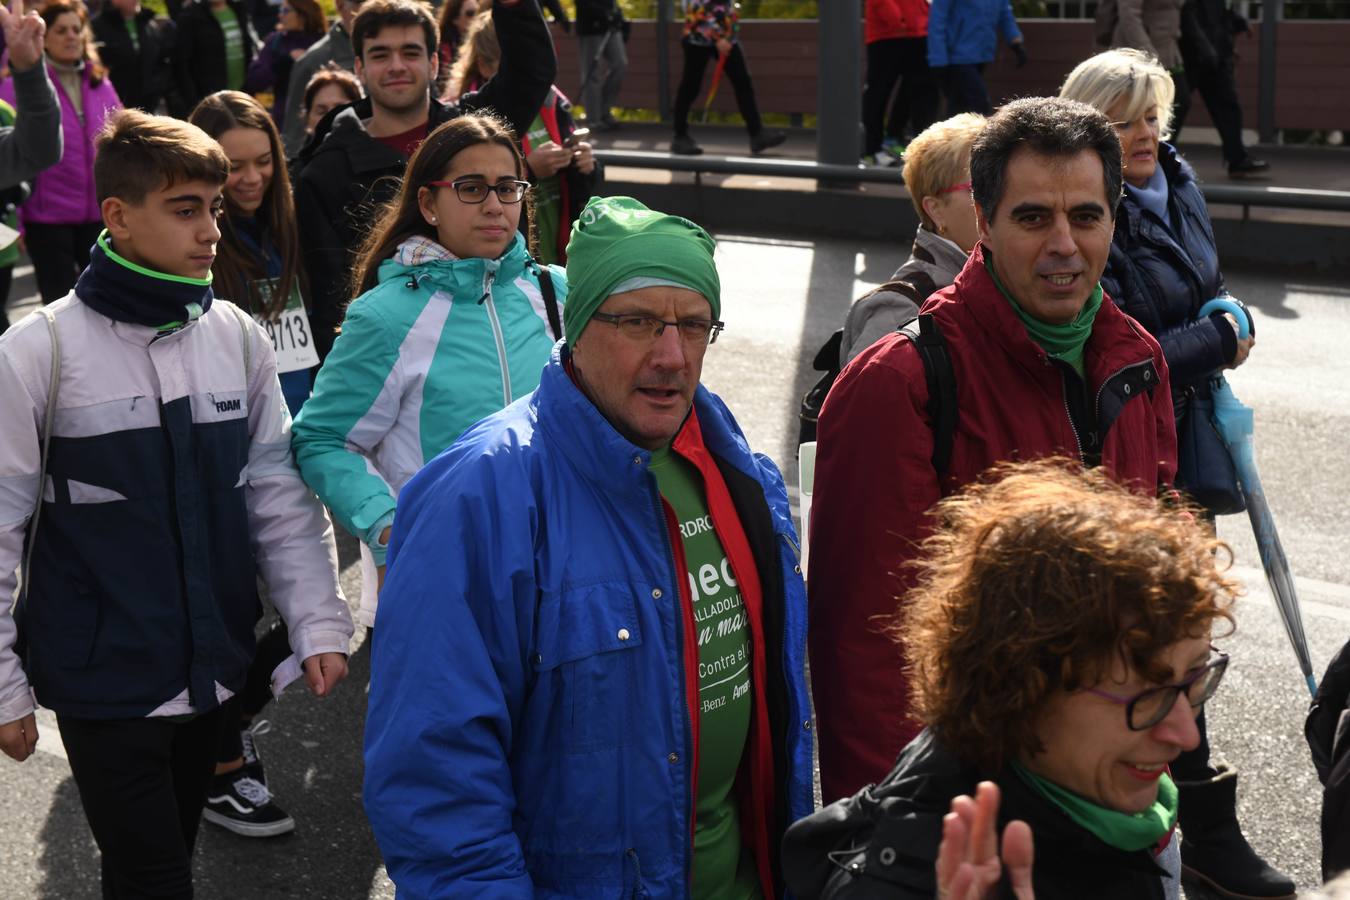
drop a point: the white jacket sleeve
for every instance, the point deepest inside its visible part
(293, 540)
(20, 458)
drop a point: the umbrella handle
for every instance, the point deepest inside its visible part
(1232, 306)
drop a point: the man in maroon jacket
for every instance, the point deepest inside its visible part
(1043, 364)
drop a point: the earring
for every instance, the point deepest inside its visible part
(942, 229)
(434, 220)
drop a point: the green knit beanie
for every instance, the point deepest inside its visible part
(617, 239)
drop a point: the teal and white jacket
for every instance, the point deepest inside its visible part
(437, 345)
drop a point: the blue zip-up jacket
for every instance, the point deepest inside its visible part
(965, 32)
(529, 735)
(1161, 273)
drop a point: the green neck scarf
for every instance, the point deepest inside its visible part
(1124, 831)
(1065, 341)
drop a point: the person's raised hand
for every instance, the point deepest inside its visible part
(583, 157)
(24, 33)
(18, 739)
(323, 671)
(969, 865)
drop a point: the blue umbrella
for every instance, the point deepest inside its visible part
(1234, 422)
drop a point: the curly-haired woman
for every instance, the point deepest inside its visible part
(1059, 622)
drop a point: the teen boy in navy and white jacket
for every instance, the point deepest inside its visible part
(168, 489)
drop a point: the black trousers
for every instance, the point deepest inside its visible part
(273, 647)
(903, 61)
(143, 784)
(966, 91)
(696, 59)
(59, 254)
(1219, 91)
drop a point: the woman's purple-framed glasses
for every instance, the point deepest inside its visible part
(1148, 708)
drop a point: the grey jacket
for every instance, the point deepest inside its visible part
(933, 260)
(1151, 25)
(34, 143)
(334, 47)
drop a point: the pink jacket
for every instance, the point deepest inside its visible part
(64, 194)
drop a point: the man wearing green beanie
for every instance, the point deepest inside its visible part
(598, 616)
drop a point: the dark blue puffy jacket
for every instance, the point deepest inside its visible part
(1161, 273)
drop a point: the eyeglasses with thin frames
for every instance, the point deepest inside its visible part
(475, 191)
(648, 328)
(1148, 708)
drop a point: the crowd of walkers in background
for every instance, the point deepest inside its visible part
(364, 270)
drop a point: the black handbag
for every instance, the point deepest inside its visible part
(1205, 469)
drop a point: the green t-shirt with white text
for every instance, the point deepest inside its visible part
(723, 867)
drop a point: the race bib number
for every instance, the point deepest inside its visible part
(289, 331)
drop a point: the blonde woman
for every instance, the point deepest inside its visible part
(1162, 268)
(937, 174)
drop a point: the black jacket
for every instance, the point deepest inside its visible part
(598, 16)
(882, 843)
(1162, 273)
(1207, 30)
(1329, 739)
(199, 52)
(141, 74)
(343, 174)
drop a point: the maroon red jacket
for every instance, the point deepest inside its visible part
(875, 483)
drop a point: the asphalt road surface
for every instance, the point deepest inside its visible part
(782, 297)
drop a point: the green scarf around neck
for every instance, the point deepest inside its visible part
(1065, 341)
(1124, 831)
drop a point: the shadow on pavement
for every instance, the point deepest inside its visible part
(1273, 298)
(70, 859)
(829, 294)
(314, 769)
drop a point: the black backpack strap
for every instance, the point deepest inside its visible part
(924, 334)
(550, 295)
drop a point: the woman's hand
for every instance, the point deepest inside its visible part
(18, 739)
(379, 570)
(23, 35)
(548, 159)
(583, 158)
(968, 865)
(1244, 345)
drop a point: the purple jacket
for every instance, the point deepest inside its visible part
(64, 194)
(270, 70)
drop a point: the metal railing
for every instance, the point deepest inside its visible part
(1235, 194)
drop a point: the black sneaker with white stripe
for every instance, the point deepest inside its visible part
(238, 802)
